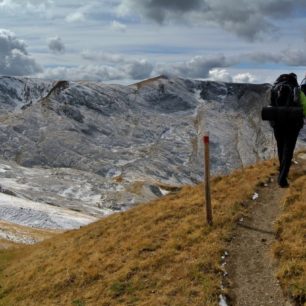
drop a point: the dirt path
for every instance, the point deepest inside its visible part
(250, 264)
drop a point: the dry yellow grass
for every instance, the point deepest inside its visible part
(290, 250)
(160, 253)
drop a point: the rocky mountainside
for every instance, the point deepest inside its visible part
(97, 148)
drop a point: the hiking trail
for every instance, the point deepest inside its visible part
(250, 265)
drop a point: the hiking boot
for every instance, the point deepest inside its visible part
(283, 184)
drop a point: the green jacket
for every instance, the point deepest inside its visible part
(303, 102)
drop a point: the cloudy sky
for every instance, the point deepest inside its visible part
(127, 40)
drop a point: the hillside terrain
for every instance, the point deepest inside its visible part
(163, 253)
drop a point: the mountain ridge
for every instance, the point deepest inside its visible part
(118, 145)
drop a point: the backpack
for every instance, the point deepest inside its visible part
(285, 91)
(285, 108)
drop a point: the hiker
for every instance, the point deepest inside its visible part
(287, 98)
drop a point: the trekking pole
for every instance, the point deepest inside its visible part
(303, 81)
(209, 216)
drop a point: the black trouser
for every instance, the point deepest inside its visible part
(286, 138)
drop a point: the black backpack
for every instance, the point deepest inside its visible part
(285, 91)
(285, 107)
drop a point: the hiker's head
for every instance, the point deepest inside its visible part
(293, 75)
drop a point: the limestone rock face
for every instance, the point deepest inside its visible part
(102, 148)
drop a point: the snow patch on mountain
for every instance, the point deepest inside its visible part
(28, 213)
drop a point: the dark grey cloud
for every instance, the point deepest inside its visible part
(103, 57)
(56, 45)
(159, 10)
(246, 18)
(290, 57)
(14, 58)
(280, 8)
(138, 70)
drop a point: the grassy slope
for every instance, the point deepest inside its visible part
(290, 249)
(157, 254)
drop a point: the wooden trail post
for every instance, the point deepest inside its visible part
(209, 216)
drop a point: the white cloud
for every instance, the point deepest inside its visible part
(14, 58)
(89, 72)
(223, 75)
(56, 45)
(136, 71)
(132, 68)
(118, 26)
(211, 67)
(220, 75)
(244, 78)
(197, 67)
(14, 7)
(103, 67)
(8, 4)
(75, 17)
(84, 12)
